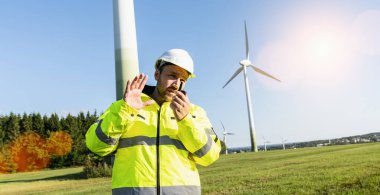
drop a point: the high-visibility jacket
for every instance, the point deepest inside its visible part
(155, 153)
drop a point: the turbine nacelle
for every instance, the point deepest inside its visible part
(245, 62)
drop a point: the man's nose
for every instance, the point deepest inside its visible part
(177, 82)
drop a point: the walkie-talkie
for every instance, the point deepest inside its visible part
(181, 88)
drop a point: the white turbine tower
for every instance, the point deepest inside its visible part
(265, 143)
(283, 142)
(244, 64)
(225, 133)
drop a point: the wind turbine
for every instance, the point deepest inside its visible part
(225, 133)
(265, 143)
(283, 143)
(244, 64)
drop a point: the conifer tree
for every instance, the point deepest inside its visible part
(38, 124)
(53, 123)
(90, 119)
(70, 125)
(12, 127)
(26, 123)
(46, 130)
(2, 133)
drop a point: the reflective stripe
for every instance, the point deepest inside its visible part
(138, 140)
(181, 190)
(165, 190)
(149, 141)
(134, 191)
(201, 152)
(166, 140)
(210, 131)
(103, 137)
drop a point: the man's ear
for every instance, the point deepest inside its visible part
(156, 74)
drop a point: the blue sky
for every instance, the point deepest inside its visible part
(58, 56)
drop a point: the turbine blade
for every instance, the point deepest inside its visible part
(230, 133)
(246, 42)
(263, 72)
(234, 75)
(223, 126)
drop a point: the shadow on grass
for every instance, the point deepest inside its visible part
(73, 176)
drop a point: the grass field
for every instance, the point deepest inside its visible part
(348, 169)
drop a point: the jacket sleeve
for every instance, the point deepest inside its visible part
(103, 136)
(197, 135)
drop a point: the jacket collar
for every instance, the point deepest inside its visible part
(148, 90)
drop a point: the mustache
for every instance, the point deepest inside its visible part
(173, 88)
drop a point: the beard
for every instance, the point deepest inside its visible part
(166, 94)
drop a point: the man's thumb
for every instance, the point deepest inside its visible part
(148, 103)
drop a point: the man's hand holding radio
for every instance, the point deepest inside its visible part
(180, 105)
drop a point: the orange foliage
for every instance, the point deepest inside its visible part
(31, 152)
(28, 152)
(59, 143)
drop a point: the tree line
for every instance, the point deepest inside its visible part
(16, 128)
(14, 125)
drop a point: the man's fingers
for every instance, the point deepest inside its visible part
(143, 82)
(176, 105)
(138, 82)
(140, 78)
(127, 88)
(181, 96)
(134, 81)
(176, 100)
(183, 102)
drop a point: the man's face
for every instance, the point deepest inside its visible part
(169, 80)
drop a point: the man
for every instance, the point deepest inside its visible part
(158, 135)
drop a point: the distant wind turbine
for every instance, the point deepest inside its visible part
(225, 133)
(265, 143)
(244, 64)
(283, 143)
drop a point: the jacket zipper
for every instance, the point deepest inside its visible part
(158, 153)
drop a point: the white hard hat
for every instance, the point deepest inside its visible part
(177, 57)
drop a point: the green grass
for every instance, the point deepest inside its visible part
(348, 169)
(62, 181)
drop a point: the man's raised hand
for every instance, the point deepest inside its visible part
(133, 90)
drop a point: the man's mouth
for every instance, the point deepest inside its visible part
(172, 90)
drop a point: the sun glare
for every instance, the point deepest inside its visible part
(314, 53)
(323, 47)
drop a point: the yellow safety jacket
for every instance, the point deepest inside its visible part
(155, 153)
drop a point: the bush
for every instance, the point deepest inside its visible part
(97, 167)
(28, 152)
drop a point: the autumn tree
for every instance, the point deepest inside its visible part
(59, 143)
(4, 160)
(29, 152)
